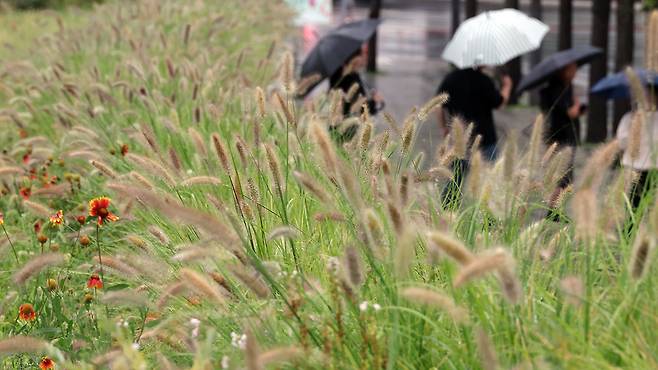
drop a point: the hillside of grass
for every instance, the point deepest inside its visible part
(209, 221)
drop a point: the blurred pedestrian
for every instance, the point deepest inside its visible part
(643, 158)
(348, 78)
(472, 97)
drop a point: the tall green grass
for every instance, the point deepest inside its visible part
(248, 238)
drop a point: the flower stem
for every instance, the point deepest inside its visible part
(98, 245)
(10, 243)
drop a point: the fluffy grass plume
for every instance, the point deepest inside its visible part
(36, 265)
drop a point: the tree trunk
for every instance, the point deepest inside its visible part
(564, 31)
(471, 8)
(535, 57)
(513, 67)
(455, 16)
(624, 54)
(375, 9)
(597, 119)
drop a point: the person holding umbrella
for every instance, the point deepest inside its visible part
(560, 107)
(347, 77)
(562, 111)
(339, 56)
(489, 39)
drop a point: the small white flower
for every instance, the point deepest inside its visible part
(135, 346)
(376, 306)
(225, 362)
(363, 306)
(195, 322)
(239, 340)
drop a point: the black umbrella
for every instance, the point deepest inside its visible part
(332, 51)
(544, 70)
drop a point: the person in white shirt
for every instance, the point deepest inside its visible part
(643, 158)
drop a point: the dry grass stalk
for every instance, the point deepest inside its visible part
(535, 149)
(201, 285)
(198, 141)
(635, 134)
(509, 156)
(143, 181)
(201, 180)
(310, 185)
(573, 289)
(408, 133)
(284, 105)
(510, 284)
(5, 171)
(597, 167)
(284, 231)
(22, 344)
(252, 352)
(307, 82)
(364, 138)
(584, 207)
(252, 280)
(638, 94)
(326, 146)
(439, 300)
(275, 168)
(152, 167)
(488, 356)
(459, 139)
(281, 354)
(36, 265)
(52, 191)
(220, 150)
(172, 290)
(242, 148)
(118, 265)
(126, 298)
(487, 262)
(329, 216)
(652, 42)
(452, 247)
(404, 253)
(159, 234)
(174, 158)
(104, 169)
(641, 255)
(38, 209)
(433, 104)
(474, 181)
(260, 100)
(353, 266)
(171, 208)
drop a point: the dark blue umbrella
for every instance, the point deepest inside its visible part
(616, 86)
(333, 50)
(549, 66)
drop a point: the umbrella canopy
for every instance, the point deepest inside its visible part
(616, 86)
(549, 66)
(494, 38)
(333, 50)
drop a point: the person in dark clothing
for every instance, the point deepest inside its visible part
(346, 77)
(472, 96)
(562, 109)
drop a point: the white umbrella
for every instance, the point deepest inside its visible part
(494, 38)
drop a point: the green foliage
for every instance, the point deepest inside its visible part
(245, 237)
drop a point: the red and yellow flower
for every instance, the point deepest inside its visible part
(2, 219)
(26, 312)
(57, 219)
(25, 192)
(95, 282)
(46, 363)
(99, 208)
